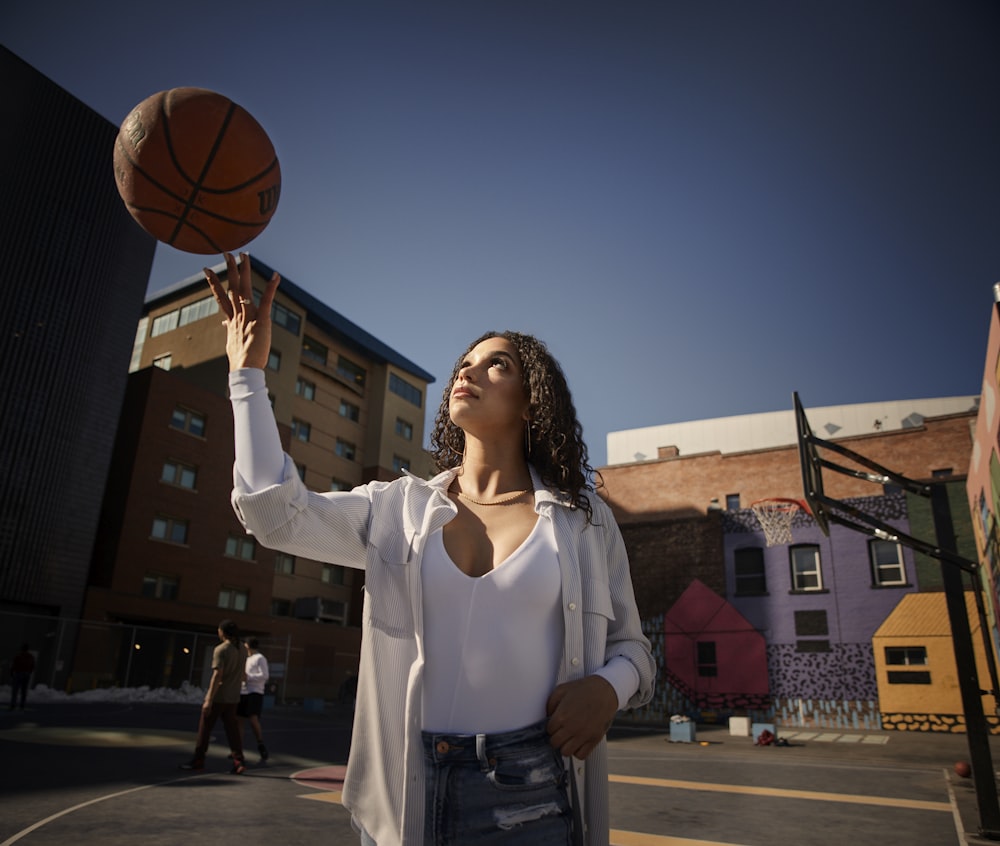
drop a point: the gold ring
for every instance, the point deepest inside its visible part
(245, 301)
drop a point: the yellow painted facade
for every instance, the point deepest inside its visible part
(915, 666)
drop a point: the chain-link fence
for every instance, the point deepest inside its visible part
(75, 655)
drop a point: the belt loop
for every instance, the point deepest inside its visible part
(481, 752)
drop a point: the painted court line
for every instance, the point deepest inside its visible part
(635, 838)
(811, 795)
(26, 831)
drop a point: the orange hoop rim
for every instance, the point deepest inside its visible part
(782, 503)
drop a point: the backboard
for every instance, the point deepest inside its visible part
(812, 477)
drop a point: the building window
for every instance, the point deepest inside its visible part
(281, 608)
(285, 318)
(156, 586)
(806, 571)
(404, 429)
(707, 664)
(301, 430)
(732, 502)
(234, 598)
(314, 350)
(748, 569)
(887, 562)
(170, 529)
(402, 388)
(332, 574)
(304, 389)
(284, 564)
(198, 310)
(182, 475)
(301, 470)
(907, 656)
(241, 546)
(163, 361)
(339, 485)
(345, 449)
(350, 411)
(274, 360)
(353, 373)
(812, 625)
(164, 323)
(399, 464)
(188, 421)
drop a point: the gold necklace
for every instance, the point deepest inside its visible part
(507, 498)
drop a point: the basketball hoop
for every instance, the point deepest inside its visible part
(775, 517)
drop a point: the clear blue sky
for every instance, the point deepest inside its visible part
(700, 206)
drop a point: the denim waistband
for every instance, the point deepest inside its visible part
(456, 748)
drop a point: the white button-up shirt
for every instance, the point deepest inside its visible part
(383, 527)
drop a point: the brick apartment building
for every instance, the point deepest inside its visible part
(171, 556)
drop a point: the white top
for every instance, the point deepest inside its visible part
(493, 643)
(257, 674)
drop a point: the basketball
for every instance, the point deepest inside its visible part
(963, 769)
(196, 170)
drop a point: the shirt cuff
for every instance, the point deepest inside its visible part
(620, 673)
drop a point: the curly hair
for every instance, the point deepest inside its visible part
(554, 445)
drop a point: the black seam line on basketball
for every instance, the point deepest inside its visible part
(204, 171)
(234, 188)
(254, 224)
(170, 193)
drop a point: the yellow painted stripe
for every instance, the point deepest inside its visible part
(635, 838)
(325, 796)
(811, 795)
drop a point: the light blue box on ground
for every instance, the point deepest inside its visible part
(682, 732)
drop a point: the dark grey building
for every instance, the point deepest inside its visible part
(74, 268)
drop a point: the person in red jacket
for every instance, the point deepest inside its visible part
(21, 668)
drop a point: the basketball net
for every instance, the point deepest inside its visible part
(775, 518)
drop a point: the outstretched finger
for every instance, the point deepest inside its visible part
(221, 297)
(268, 296)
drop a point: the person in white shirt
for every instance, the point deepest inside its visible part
(500, 632)
(251, 705)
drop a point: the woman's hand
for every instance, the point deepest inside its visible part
(248, 326)
(580, 714)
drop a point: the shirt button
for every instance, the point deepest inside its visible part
(572, 606)
(575, 662)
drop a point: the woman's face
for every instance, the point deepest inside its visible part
(488, 392)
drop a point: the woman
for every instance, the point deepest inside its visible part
(500, 633)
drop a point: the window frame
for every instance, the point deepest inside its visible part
(760, 576)
(878, 567)
(795, 573)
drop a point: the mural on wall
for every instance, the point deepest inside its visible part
(713, 655)
(915, 665)
(983, 483)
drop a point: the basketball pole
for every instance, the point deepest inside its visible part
(828, 510)
(976, 729)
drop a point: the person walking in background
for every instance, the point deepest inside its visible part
(21, 668)
(500, 629)
(251, 704)
(222, 699)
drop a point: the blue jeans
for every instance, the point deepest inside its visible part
(495, 789)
